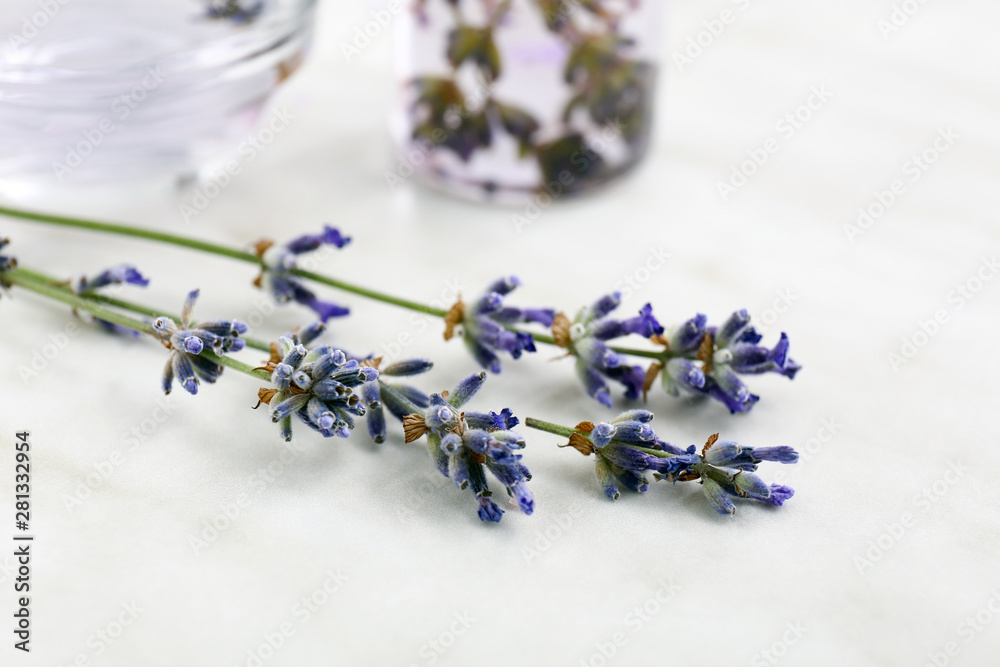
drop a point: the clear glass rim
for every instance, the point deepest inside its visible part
(177, 62)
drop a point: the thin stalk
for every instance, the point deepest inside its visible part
(549, 427)
(18, 277)
(566, 432)
(369, 293)
(137, 232)
(130, 306)
(250, 258)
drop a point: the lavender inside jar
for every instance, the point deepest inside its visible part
(503, 100)
(96, 91)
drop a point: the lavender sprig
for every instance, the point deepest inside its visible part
(396, 397)
(278, 261)
(7, 263)
(585, 338)
(709, 360)
(464, 445)
(695, 358)
(117, 275)
(187, 342)
(627, 447)
(486, 324)
(317, 386)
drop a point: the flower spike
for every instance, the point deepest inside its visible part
(278, 261)
(627, 448)
(464, 445)
(7, 262)
(124, 274)
(585, 338)
(485, 324)
(709, 360)
(187, 342)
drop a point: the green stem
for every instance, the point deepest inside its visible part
(370, 294)
(213, 248)
(647, 354)
(38, 276)
(549, 427)
(128, 230)
(659, 453)
(23, 279)
(566, 432)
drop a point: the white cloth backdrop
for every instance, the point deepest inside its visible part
(883, 557)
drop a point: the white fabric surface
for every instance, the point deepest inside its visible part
(786, 580)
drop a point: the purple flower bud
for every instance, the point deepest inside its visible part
(488, 510)
(466, 389)
(732, 328)
(485, 325)
(779, 494)
(717, 497)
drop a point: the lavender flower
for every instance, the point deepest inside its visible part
(188, 341)
(317, 386)
(284, 286)
(117, 275)
(465, 444)
(484, 324)
(727, 470)
(584, 338)
(300, 336)
(708, 360)
(400, 399)
(7, 263)
(376, 393)
(627, 447)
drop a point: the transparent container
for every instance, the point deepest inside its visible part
(507, 99)
(108, 90)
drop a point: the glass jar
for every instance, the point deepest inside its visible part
(504, 99)
(108, 90)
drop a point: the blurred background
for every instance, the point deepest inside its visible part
(831, 167)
